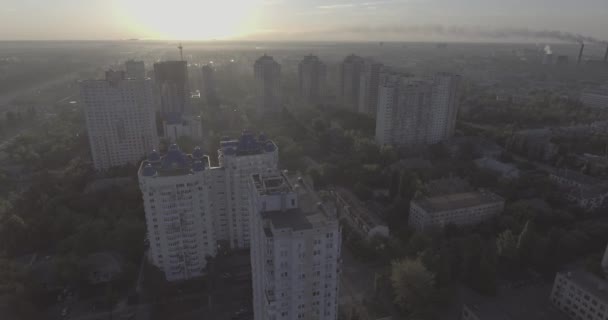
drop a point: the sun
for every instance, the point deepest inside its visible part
(187, 19)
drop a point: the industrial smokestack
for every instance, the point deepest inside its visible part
(580, 54)
(606, 55)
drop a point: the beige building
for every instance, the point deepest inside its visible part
(466, 208)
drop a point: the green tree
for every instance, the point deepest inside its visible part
(506, 243)
(413, 285)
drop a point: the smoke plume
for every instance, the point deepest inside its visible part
(472, 32)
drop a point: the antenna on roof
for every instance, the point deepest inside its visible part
(181, 51)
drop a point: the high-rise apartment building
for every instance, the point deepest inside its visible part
(172, 84)
(267, 74)
(208, 85)
(350, 80)
(119, 114)
(173, 90)
(180, 194)
(415, 112)
(192, 207)
(311, 74)
(369, 82)
(240, 159)
(295, 251)
(135, 69)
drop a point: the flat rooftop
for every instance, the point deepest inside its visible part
(311, 212)
(174, 163)
(271, 184)
(457, 201)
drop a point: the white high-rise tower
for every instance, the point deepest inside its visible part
(120, 121)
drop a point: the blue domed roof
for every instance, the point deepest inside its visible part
(149, 170)
(154, 156)
(269, 146)
(175, 158)
(198, 166)
(198, 153)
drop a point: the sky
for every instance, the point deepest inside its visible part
(349, 20)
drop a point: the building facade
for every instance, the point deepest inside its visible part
(311, 75)
(369, 83)
(240, 159)
(208, 88)
(135, 69)
(581, 295)
(192, 208)
(466, 208)
(350, 81)
(295, 253)
(171, 79)
(179, 201)
(267, 73)
(416, 112)
(119, 115)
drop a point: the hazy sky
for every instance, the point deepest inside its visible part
(299, 19)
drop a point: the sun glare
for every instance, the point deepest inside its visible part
(188, 19)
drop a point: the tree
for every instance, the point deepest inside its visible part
(507, 245)
(413, 285)
(525, 241)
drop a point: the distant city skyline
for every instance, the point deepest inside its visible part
(349, 20)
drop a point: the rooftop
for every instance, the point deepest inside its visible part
(524, 303)
(271, 184)
(457, 201)
(247, 144)
(173, 163)
(311, 213)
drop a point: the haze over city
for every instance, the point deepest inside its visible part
(347, 20)
(303, 160)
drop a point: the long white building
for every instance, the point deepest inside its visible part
(191, 207)
(414, 112)
(295, 252)
(464, 208)
(120, 121)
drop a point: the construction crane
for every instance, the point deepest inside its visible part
(181, 51)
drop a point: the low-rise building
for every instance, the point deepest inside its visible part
(359, 217)
(505, 170)
(586, 192)
(581, 295)
(466, 208)
(595, 98)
